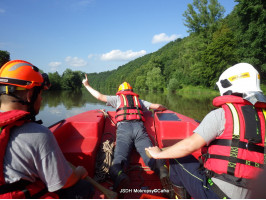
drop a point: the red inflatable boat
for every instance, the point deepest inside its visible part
(81, 137)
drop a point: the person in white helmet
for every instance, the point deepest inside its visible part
(231, 138)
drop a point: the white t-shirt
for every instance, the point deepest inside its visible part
(33, 153)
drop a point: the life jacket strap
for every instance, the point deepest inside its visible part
(19, 185)
(217, 190)
(125, 114)
(243, 145)
(126, 108)
(264, 115)
(240, 182)
(234, 160)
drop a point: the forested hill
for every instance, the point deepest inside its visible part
(214, 44)
(201, 57)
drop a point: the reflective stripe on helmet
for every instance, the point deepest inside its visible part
(125, 87)
(22, 74)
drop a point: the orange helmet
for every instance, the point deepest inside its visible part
(23, 75)
(125, 87)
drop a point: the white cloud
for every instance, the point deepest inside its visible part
(55, 64)
(162, 37)
(119, 55)
(75, 61)
(91, 56)
(2, 10)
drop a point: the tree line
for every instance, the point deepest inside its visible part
(214, 44)
(69, 80)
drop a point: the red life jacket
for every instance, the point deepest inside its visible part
(22, 188)
(130, 108)
(237, 155)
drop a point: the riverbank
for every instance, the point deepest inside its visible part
(198, 90)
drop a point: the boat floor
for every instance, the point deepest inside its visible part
(80, 136)
(142, 179)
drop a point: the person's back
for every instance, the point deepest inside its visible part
(32, 164)
(232, 138)
(130, 133)
(35, 143)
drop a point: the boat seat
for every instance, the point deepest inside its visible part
(172, 127)
(79, 141)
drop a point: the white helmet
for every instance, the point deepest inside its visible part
(240, 78)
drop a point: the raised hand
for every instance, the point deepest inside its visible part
(85, 81)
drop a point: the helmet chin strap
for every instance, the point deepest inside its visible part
(36, 92)
(19, 99)
(31, 110)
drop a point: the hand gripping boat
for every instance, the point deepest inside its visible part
(83, 138)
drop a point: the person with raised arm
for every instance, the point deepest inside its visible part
(130, 132)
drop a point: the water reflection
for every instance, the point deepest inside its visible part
(195, 106)
(58, 105)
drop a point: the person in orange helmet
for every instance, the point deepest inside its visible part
(31, 162)
(130, 132)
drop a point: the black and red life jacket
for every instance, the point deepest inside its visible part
(130, 107)
(22, 188)
(237, 155)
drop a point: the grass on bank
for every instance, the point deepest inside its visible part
(198, 90)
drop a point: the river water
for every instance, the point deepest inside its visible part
(58, 105)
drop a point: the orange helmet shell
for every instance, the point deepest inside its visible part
(20, 73)
(125, 87)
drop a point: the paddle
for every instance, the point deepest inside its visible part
(108, 193)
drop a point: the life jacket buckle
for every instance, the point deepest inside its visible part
(209, 173)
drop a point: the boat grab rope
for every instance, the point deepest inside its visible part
(107, 115)
(104, 160)
(105, 154)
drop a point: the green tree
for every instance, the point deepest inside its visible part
(174, 85)
(4, 57)
(55, 81)
(191, 53)
(155, 80)
(202, 15)
(140, 83)
(219, 55)
(71, 80)
(250, 28)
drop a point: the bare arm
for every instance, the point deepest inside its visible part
(180, 149)
(93, 92)
(78, 173)
(157, 107)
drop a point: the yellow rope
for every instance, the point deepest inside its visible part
(104, 160)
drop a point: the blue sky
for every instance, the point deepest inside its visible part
(90, 35)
